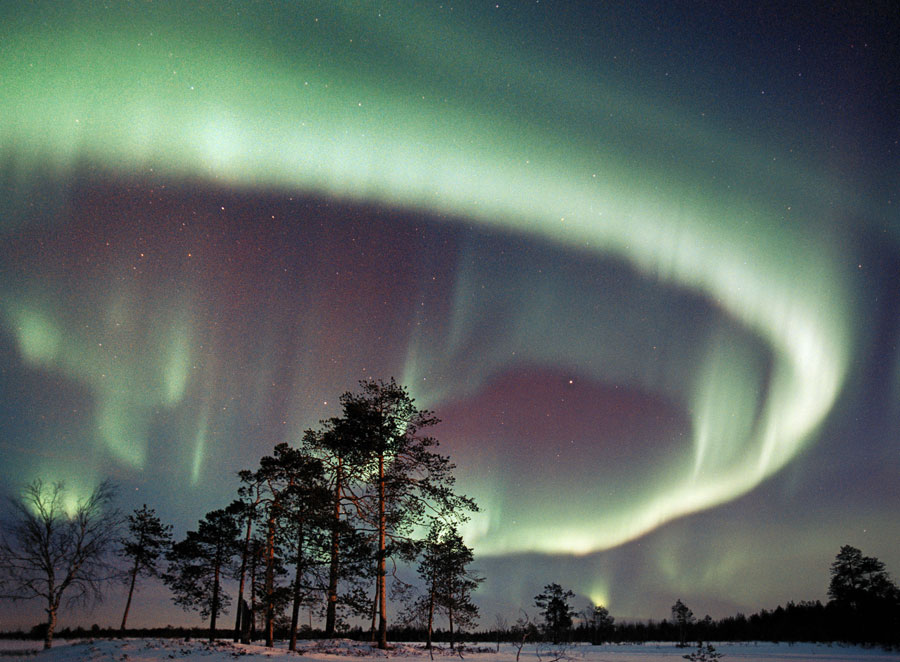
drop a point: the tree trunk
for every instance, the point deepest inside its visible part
(237, 618)
(253, 564)
(382, 567)
(51, 625)
(374, 605)
(298, 576)
(430, 616)
(134, 573)
(331, 606)
(270, 583)
(450, 618)
(215, 604)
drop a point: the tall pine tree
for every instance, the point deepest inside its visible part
(407, 481)
(244, 510)
(448, 582)
(146, 540)
(554, 605)
(197, 565)
(348, 553)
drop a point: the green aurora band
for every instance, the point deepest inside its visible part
(391, 107)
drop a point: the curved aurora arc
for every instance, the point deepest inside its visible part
(218, 107)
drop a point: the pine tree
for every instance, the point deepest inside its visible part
(306, 530)
(425, 607)
(348, 551)
(457, 581)
(864, 599)
(598, 623)
(256, 564)
(554, 606)
(858, 581)
(197, 563)
(683, 617)
(244, 510)
(704, 654)
(448, 583)
(407, 480)
(146, 540)
(277, 484)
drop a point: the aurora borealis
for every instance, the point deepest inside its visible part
(641, 260)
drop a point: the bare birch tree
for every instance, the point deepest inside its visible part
(53, 547)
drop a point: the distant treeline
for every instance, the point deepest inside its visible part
(795, 622)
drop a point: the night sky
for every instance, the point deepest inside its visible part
(643, 259)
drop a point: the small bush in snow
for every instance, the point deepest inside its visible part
(704, 654)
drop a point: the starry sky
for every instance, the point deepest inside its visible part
(641, 258)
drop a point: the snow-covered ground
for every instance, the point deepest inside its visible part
(162, 650)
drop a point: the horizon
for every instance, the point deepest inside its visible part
(641, 261)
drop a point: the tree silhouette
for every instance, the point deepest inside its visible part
(554, 606)
(598, 623)
(244, 510)
(864, 597)
(288, 495)
(448, 582)
(522, 631)
(407, 481)
(49, 551)
(197, 563)
(858, 581)
(146, 540)
(306, 530)
(703, 653)
(501, 628)
(348, 553)
(457, 581)
(683, 617)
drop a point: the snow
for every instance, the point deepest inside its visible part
(163, 650)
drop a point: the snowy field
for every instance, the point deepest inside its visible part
(162, 650)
